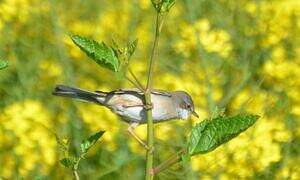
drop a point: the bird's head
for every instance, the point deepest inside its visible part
(185, 105)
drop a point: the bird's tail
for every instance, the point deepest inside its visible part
(65, 91)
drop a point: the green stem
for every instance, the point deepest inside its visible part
(76, 176)
(75, 172)
(154, 52)
(136, 80)
(150, 140)
(150, 129)
(169, 162)
(134, 84)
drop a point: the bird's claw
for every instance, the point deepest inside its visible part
(148, 106)
(151, 150)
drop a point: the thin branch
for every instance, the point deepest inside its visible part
(169, 162)
(134, 84)
(136, 80)
(75, 173)
(154, 51)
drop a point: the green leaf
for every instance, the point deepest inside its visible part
(209, 134)
(68, 162)
(89, 142)
(3, 64)
(167, 5)
(131, 46)
(117, 49)
(162, 6)
(124, 53)
(99, 52)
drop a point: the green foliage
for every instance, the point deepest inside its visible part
(124, 53)
(209, 134)
(99, 52)
(131, 46)
(3, 64)
(89, 142)
(69, 162)
(162, 6)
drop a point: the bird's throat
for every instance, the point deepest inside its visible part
(183, 113)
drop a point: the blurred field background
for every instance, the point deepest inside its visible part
(243, 56)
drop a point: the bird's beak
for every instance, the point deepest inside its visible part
(195, 114)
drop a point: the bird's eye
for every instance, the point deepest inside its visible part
(188, 106)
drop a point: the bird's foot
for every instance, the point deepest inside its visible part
(151, 150)
(148, 106)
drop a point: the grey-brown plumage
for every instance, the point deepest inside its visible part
(129, 103)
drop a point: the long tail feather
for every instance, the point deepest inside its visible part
(65, 91)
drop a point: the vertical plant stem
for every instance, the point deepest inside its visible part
(150, 140)
(154, 52)
(150, 128)
(75, 167)
(76, 176)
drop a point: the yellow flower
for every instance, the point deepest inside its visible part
(275, 20)
(296, 110)
(31, 124)
(10, 9)
(143, 33)
(251, 7)
(202, 25)
(144, 4)
(50, 68)
(212, 40)
(291, 169)
(10, 164)
(112, 17)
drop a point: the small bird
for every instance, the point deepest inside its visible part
(129, 104)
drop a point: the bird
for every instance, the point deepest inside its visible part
(130, 105)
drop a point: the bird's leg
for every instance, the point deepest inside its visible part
(131, 131)
(148, 106)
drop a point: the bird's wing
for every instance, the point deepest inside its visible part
(160, 92)
(135, 90)
(129, 90)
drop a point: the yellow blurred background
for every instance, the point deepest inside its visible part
(243, 56)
